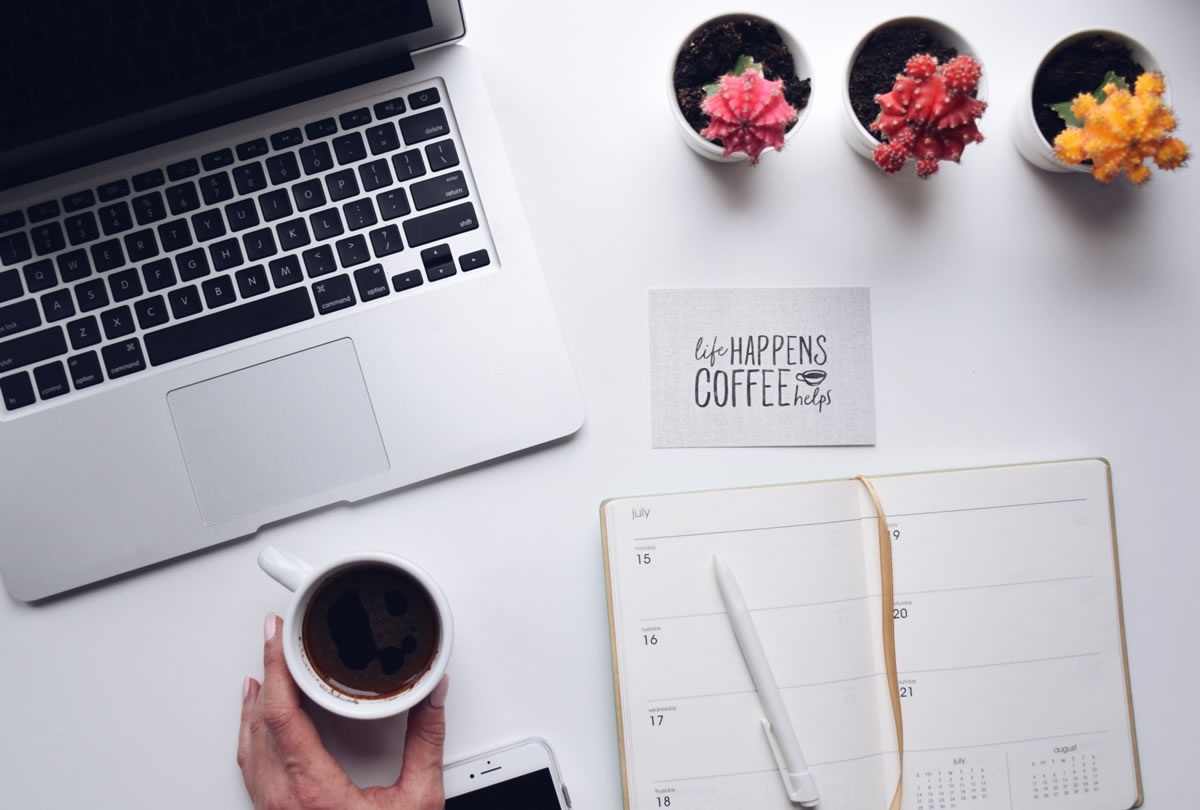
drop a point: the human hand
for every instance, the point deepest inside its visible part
(285, 766)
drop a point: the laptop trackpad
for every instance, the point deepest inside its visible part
(277, 432)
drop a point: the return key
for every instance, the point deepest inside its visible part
(438, 190)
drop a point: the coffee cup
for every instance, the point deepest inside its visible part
(366, 647)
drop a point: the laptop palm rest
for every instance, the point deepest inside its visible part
(273, 433)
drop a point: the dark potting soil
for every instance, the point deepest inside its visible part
(1078, 68)
(715, 48)
(883, 55)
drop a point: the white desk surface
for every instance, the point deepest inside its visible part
(1018, 316)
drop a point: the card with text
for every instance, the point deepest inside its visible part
(761, 367)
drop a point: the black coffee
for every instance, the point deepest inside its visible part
(371, 631)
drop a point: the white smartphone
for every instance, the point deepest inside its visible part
(523, 775)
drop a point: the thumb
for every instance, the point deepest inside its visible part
(421, 774)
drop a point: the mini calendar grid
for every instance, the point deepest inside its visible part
(950, 788)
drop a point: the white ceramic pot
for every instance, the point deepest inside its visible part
(707, 148)
(1026, 135)
(859, 137)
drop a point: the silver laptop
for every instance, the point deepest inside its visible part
(255, 258)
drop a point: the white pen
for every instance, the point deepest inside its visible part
(797, 779)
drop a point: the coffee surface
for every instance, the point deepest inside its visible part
(371, 631)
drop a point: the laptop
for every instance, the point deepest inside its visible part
(255, 259)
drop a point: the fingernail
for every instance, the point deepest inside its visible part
(269, 627)
(437, 698)
(245, 686)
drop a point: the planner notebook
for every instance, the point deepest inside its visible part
(1009, 642)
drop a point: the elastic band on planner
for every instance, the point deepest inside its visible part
(889, 631)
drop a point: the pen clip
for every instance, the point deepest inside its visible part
(804, 794)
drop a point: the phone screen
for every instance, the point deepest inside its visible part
(531, 791)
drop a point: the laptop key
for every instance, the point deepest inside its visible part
(442, 155)
(47, 238)
(406, 281)
(117, 322)
(149, 208)
(375, 175)
(319, 261)
(19, 317)
(83, 333)
(182, 199)
(283, 168)
(192, 264)
(259, 244)
(242, 214)
(151, 179)
(393, 204)
(334, 294)
(39, 276)
(43, 211)
(286, 271)
(438, 190)
(183, 169)
(51, 380)
(408, 164)
(320, 129)
(85, 370)
(82, 228)
(123, 358)
(107, 255)
(292, 234)
(217, 160)
(225, 254)
(440, 271)
(252, 149)
(15, 219)
(390, 108)
(308, 194)
(10, 285)
(115, 218)
(424, 98)
(184, 302)
(349, 148)
(341, 185)
(438, 254)
(359, 214)
(58, 305)
(383, 138)
(14, 248)
(208, 225)
(371, 281)
(252, 281)
(91, 295)
(113, 191)
(125, 285)
(73, 266)
(174, 235)
(275, 205)
(250, 178)
(256, 317)
(440, 224)
(355, 118)
(32, 348)
(474, 260)
(352, 251)
(216, 188)
(287, 138)
(316, 158)
(218, 291)
(17, 391)
(425, 126)
(72, 202)
(386, 240)
(158, 275)
(326, 224)
(151, 312)
(141, 245)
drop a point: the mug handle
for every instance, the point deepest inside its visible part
(288, 571)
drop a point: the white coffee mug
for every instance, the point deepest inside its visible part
(304, 581)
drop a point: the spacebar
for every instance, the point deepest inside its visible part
(228, 326)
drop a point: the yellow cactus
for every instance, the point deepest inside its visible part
(1121, 132)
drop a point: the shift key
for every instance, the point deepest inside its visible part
(440, 224)
(32, 348)
(442, 188)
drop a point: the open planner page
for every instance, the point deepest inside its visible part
(1008, 639)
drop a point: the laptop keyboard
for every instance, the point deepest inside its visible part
(224, 246)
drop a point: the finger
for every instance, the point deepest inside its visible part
(279, 700)
(250, 688)
(424, 741)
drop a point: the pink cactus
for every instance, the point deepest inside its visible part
(749, 113)
(929, 115)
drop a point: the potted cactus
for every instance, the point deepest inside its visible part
(912, 90)
(738, 86)
(1082, 63)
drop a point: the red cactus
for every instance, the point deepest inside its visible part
(749, 113)
(929, 115)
